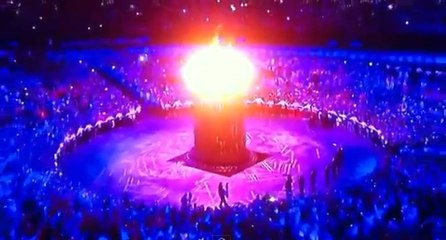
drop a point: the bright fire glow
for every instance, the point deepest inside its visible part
(218, 73)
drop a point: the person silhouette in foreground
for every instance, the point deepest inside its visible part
(186, 201)
(301, 185)
(223, 194)
(289, 187)
(337, 161)
(327, 175)
(313, 181)
(334, 168)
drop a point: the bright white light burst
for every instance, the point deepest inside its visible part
(218, 73)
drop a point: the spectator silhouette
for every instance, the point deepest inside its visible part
(301, 185)
(289, 187)
(313, 181)
(223, 194)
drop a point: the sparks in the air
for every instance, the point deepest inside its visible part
(218, 73)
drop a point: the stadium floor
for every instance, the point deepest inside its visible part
(135, 160)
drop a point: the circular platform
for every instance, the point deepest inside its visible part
(136, 160)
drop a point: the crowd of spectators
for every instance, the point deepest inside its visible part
(41, 107)
(403, 200)
(405, 101)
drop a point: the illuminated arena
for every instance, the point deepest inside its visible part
(141, 161)
(223, 120)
